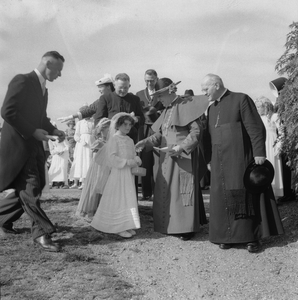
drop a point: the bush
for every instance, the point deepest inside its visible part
(287, 102)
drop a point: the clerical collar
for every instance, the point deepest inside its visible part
(40, 78)
(219, 98)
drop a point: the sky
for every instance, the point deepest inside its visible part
(183, 40)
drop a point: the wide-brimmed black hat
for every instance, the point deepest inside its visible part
(257, 178)
(277, 85)
(151, 115)
(164, 84)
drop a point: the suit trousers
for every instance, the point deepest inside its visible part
(28, 184)
(147, 181)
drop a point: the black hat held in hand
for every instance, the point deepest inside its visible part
(257, 178)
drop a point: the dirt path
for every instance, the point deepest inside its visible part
(94, 265)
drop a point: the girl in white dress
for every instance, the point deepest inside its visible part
(59, 164)
(82, 153)
(118, 208)
(90, 196)
(272, 124)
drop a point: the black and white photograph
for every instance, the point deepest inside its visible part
(148, 149)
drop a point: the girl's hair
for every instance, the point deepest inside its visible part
(122, 119)
(267, 105)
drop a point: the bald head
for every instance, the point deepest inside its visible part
(212, 86)
(212, 78)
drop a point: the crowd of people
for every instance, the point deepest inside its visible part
(221, 138)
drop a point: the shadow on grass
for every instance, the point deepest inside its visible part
(74, 273)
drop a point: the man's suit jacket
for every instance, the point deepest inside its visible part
(144, 97)
(23, 111)
(145, 131)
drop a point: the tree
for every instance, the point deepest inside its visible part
(287, 101)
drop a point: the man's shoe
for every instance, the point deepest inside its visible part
(8, 230)
(186, 236)
(46, 243)
(253, 247)
(225, 246)
(288, 198)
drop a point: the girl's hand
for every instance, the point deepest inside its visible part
(138, 160)
(132, 163)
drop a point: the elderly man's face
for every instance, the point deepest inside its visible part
(150, 81)
(210, 89)
(122, 87)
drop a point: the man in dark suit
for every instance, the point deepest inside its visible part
(151, 109)
(22, 157)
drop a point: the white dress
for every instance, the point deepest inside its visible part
(272, 150)
(59, 164)
(118, 207)
(82, 153)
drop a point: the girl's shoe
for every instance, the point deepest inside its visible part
(125, 234)
(131, 231)
(81, 187)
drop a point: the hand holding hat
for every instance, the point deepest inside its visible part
(259, 160)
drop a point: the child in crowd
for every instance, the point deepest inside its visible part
(82, 153)
(69, 135)
(118, 208)
(90, 196)
(59, 164)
